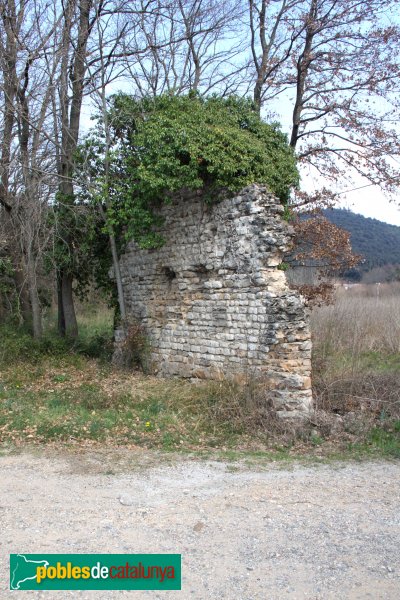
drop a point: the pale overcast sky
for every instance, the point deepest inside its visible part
(360, 198)
(370, 202)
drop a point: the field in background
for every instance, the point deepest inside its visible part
(356, 362)
(54, 391)
(356, 350)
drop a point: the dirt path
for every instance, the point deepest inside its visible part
(325, 532)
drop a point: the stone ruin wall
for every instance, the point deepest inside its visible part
(213, 301)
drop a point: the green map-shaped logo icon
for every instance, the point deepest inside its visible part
(23, 569)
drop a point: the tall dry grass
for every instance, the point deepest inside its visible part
(362, 319)
(356, 353)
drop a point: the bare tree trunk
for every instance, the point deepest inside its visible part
(118, 278)
(11, 23)
(116, 266)
(70, 117)
(71, 325)
(264, 66)
(68, 306)
(27, 228)
(303, 65)
(9, 19)
(34, 297)
(61, 319)
(23, 295)
(101, 91)
(113, 245)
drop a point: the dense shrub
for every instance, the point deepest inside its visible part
(162, 145)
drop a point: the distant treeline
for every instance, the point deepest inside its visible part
(377, 242)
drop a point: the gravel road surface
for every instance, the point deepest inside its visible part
(261, 533)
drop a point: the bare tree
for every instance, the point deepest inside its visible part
(273, 37)
(11, 22)
(77, 24)
(187, 45)
(106, 69)
(338, 63)
(85, 60)
(26, 160)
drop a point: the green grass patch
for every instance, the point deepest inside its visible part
(345, 363)
(167, 415)
(54, 391)
(386, 440)
(170, 415)
(380, 361)
(95, 340)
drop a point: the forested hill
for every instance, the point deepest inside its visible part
(378, 242)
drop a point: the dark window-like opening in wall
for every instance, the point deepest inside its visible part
(200, 269)
(170, 273)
